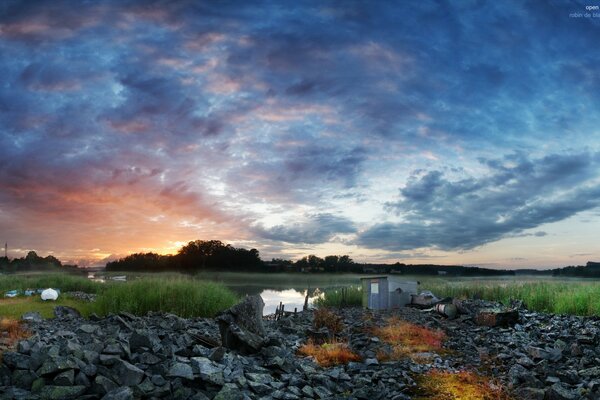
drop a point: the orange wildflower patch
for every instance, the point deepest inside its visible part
(328, 354)
(407, 338)
(464, 385)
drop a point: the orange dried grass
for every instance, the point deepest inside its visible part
(328, 354)
(407, 339)
(13, 329)
(464, 385)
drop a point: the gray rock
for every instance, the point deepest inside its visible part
(259, 378)
(66, 378)
(87, 328)
(122, 393)
(82, 380)
(549, 354)
(208, 370)
(229, 392)
(127, 374)
(61, 392)
(593, 372)
(16, 360)
(158, 380)
(217, 353)
(23, 379)
(51, 366)
(32, 316)
(560, 391)
(140, 339)
(149, 358)
(241, 326)
(259, 388)
(65, 312)
(146, 386)
(181, 370)
(103, 385)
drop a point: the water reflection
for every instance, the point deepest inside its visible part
(291, 298)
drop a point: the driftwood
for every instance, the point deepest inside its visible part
(204, 340)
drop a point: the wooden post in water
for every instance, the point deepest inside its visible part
(306, 300)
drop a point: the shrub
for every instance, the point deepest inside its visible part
(323, 318)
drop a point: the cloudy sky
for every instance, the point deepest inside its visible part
(415, 131)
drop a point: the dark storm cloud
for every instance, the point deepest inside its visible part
(517, 194)
(319, 228)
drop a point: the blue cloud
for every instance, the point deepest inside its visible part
(516, 194)
(318, 228)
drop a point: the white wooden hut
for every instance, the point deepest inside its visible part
(387, 292)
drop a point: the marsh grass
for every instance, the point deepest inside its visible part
(184, 297)
(63, 281)
(577, 298)
(350, 296)
(172, 293)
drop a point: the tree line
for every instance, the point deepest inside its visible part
(197, 255)
(590, 270)
(31, 262)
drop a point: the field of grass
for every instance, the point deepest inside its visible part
(16, 307)
(577, 298)
(184, 297)
(168, 293)
(559, 297)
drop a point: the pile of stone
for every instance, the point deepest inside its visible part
(83, 296)
(238, 355)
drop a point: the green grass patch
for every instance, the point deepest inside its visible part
(184, 297)
(350, 296)
(577, 298)
(16, 307)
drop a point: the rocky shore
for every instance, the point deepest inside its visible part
(545, 357)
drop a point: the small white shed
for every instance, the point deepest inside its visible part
(387, 292)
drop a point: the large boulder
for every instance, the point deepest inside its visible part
(241, 326)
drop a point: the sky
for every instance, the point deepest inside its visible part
(447, 132)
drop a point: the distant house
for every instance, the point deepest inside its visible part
(442, 272)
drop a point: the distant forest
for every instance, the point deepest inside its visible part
(31, 262)
(590, 270)
(200, 255)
